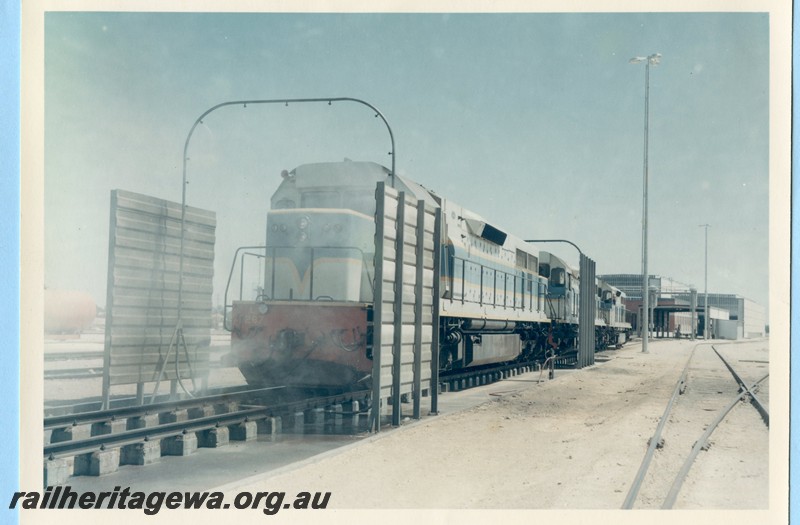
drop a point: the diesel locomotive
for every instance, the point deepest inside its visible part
(307, 320)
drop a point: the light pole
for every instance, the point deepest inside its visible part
(653, 59)
(705, 308)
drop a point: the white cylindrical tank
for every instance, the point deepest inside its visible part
(68, 311)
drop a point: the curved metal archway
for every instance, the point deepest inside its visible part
(177, 338)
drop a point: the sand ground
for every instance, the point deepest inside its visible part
(572, 443)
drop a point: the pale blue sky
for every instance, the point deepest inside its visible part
(533, 121)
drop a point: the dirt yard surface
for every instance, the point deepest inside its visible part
(572, 443)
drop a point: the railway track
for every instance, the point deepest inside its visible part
(99, 442)
(711, 382)
(456, 380)
(83, 440)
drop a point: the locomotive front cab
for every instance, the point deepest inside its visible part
(563, 287)
(310, 322)
(318, 255)
(558, 282)
(611, 324)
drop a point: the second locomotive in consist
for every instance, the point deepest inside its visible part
(310, 321)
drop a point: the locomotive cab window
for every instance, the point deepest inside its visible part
(544, 270)
(321, 199)
(285, 204)
(362, 202)
(557, 277)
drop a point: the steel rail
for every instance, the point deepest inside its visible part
(763, 412)
(458, 375)
(74, 373)
(100, 416)
(128, 437)
(80, 355)
(700, 444)
(633, 492)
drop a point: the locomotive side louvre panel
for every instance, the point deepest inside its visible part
(473, 281)
(482, 271)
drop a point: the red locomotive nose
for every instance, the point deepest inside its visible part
(303, 344)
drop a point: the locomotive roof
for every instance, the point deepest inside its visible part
(347, 173)
(355, 174)
(554, 260)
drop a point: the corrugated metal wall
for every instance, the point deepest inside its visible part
(142, 295)
(588, 312)
(406, 302)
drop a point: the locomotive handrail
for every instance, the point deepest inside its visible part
(266, 255)
(230, 276)
(556, 240)
(329, 100)
(241, 271)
